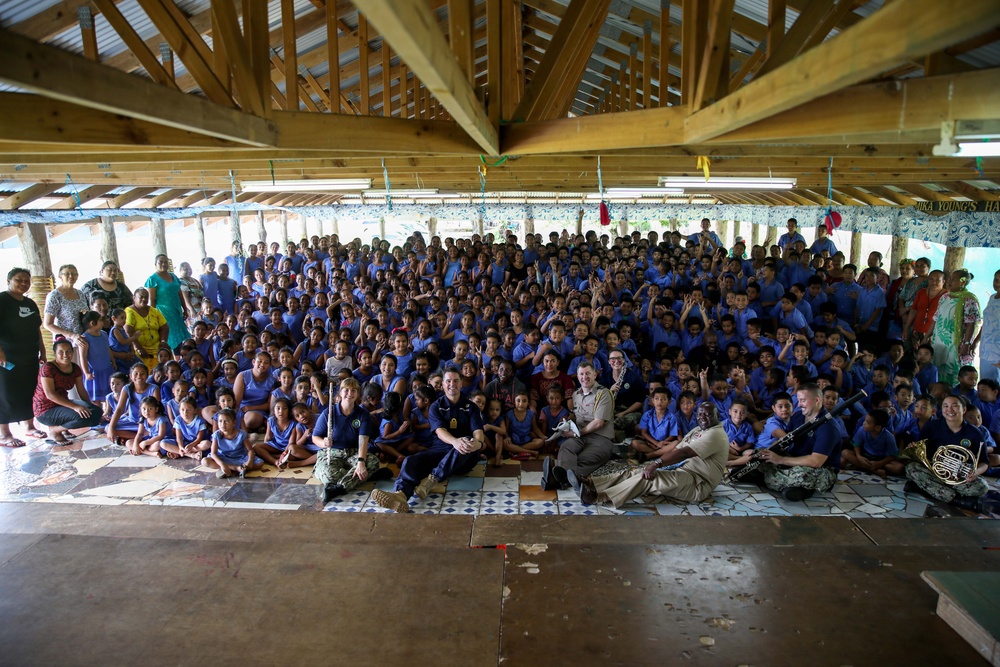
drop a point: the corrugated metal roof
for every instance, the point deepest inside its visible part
(13, 12)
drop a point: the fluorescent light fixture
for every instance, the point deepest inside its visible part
(398, 193)
(308, 185)
(979, 149)
(642, 192)
(727, 183)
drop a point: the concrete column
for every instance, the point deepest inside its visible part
(302, 227)
(736, 229)
(235, 234)
(261, 230)
(481, 225)
(856, 249)
(623, 227)
(954, 258)
(199, 226)
(157, 231)
(284, 230)
(109, 243)
(381, 228)
(770, 236)
(529, 225)
(900, 246)
(336, 226)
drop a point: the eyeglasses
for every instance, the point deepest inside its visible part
(617, 359)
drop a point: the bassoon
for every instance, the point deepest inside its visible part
(783, 444)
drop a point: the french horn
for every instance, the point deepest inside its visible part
(951, 464)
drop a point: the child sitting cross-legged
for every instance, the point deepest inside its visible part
(657, 428)
(520, 440)
(873, 447)
(231, 452)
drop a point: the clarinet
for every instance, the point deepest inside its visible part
(784, 443)
(329, 422)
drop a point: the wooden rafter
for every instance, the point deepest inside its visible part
(139, 48)
(28, 195)
(65, 76)
(412, 30)
(713, 75)
(82, 197)
(238, 55)
(903, 30)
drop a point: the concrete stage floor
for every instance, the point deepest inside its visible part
(140, 585)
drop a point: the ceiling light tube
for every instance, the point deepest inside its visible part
(978, 149)
(727, 183)
(399, 193)
(307, 185)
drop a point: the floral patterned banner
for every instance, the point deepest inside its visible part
(968, 229)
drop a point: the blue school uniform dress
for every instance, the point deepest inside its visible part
(393, 426)
(232, 451)
(100, 364)
(552, 419)
(661, 429)
(202, 400)
(121, 365)
(742, 435)
(281, 437)
(153, 430)
(254, 392)
(190, 431)
(130, 416)
(875, 446)
(277, 393)
(520, 430)
(419, 418)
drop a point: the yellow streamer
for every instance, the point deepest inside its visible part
(704, 164)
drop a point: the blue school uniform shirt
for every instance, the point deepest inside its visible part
(846, 306)
(868, 302)
(189, 432)
(661, 428)
(153, 428)
(927, 376)
(742, 435)
(520, 430)
(766, 437)
(418, 418)
(875, 446)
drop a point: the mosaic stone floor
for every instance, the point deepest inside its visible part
(92, 470)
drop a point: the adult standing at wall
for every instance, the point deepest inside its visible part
(989, 336)
(956, 328)
(20, 346)
(108, 286)
(165, 295)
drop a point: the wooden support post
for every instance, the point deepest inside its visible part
(633, 75)
(363, 62)
(856, 249)
(754, 234)
(109, 243)
(900, 246)
(432, 227)
(284, 230)
(86, 17)
(261, 230)
(386, 79)
(35, 250)
(291, 56)
(579, 221)
(302, 228)
(333, 57)
(336, 227)
(664, 75)
(381, 228)
(199, 226)
(954, 258)
(159, 236)
(529, 224)
(736, 230)
(775, 25)
(724, 233)
(772, 233)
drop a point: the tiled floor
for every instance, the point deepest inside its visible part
(94, 471)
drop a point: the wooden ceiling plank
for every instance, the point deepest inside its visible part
(238, 56)
(66, 76)
(691, 48)
(664, 60)
(134, 42)
(512, 57)
(970, 191)
(411, 29)
(901, 30)
(189, 46)
(28, 195)
(291, 55)
(460, 29)
(710, 85)
(365, 71)
(925, 192)
(88, 194)
(792, 43)
(864, 197)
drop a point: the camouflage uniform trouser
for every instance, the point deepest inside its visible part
(336, 466)
(626, 424)
(779, 478)
(935, 488)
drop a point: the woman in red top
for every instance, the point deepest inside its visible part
(51, 403)
(920, 321)
(550, 375)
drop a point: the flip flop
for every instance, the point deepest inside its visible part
(35, 434)
(11, 442)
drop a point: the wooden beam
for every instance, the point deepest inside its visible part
(364, 108)
(230, 39)
(775, 25)
(661, 90)
(853, 114)
(28, 195)
(412, 30)
(494, 80)
(87, 33)
(902, 31)
(65, 76)
(646, 127)
(892, 195)
(865, 197)
(259, 41)
(550, 92)
(647, 65)
(512, 50)
(794, 41)
(925, 192)
(220, 63)
(386, 79)
(633, 74)
(970, 191)
(693, 35)
(460, 35)
(134, 42)
(333, 58)
(89, 194)
(132, 195)
(291, 55)
(189, 46)
(713, 75)
(370, 133)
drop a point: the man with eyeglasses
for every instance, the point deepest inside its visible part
(629, 391)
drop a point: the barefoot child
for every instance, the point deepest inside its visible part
(496, 431)
(738, 430)
(171, 407)
(190, 430)
(549, 417)
(125, 419)
(281, 431)
(419, 418)
(153, 433)
(394, 439)
(657, 428)
(231, 452)
(519, 422)
(873, 447)
(95, 357)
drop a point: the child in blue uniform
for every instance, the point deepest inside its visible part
(231, 452)
(190, 430)
(873, 447)
(153, 434)
(121, 343)
(738, 430)
(118, 382)
(550, 416)
(171, 407)
(420, 424)
(95, 357)
(394, 440)
(281, 431)
(520, 421)
(125, 419)
(657, 428)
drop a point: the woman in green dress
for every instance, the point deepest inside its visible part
(956, 327)
(165, 295)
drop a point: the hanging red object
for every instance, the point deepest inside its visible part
(605, 216)
(832, 221)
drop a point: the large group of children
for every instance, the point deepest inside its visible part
(691, 320)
